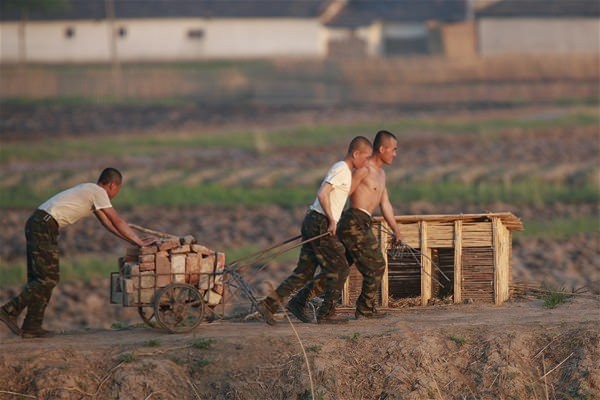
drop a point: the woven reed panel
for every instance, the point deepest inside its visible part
(404, 275)
(410, 234)
(440, 234)
(478, 274)
(477, 234)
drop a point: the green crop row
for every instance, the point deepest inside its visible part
(177, 194)
(266, 141)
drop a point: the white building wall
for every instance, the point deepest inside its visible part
(370, 35)
(47, 42)
(266, 37)
(8, 42)
(164, 40)
(538, 36)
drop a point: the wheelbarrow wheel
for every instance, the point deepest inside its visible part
(147, 314)
(178, 307)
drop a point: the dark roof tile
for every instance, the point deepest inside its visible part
(96, 9)
(542, 8)
(364, 12)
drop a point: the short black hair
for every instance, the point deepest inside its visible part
(380, 137)
(357, 143)
(110, 175)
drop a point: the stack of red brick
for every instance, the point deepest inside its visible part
(144, 270)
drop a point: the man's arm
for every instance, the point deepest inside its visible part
(388, 214)
(323, 197)
(117, 225)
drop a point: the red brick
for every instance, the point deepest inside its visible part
(181, 249)
(148, 266)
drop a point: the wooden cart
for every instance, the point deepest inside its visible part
(171, 283)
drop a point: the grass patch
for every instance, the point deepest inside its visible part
(204, 343)
(561, 228)
(152, 343)
(457, 339)
(517, 193)
(177, 194)
(173, 194)
(126, 358)
(355, 337)
(315, 348)
(554, 298)
(118, 325)
(200, 363)
(85, 268)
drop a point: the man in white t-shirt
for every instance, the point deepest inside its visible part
(42, 231)
(326, 252)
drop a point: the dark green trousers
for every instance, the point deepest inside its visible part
(326, 253)
(363, 250)
(41, 232)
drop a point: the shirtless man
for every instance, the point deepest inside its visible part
(354, 227)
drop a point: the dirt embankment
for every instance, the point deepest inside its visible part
(519, 350)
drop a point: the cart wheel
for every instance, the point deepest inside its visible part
(178, 307)
(147, 315)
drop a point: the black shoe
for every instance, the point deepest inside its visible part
(298, 310)
(10, 321)
(266, 313)
(332, 319)
(36, 333)
(374, 315)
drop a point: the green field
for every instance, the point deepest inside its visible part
(33, 170)
(300, 138)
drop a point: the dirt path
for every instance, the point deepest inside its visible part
(466, 351)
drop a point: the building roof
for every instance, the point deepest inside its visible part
(96, 9)
(511, 221)
(541, 9)
(358, 13)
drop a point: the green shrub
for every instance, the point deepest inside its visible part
(203, 343)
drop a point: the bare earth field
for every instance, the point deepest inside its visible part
(519, 350)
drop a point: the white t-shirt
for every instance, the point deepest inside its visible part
(340, 177)
(69, 206)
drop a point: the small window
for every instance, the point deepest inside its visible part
(69, 32)
(195, 33)
(122, 32)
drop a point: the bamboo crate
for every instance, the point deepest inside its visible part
(473, 251)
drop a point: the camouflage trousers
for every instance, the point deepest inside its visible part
(326, 253)
(41, 232)
(363, 250)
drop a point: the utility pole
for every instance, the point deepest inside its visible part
(112, 43)
(23, 37)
